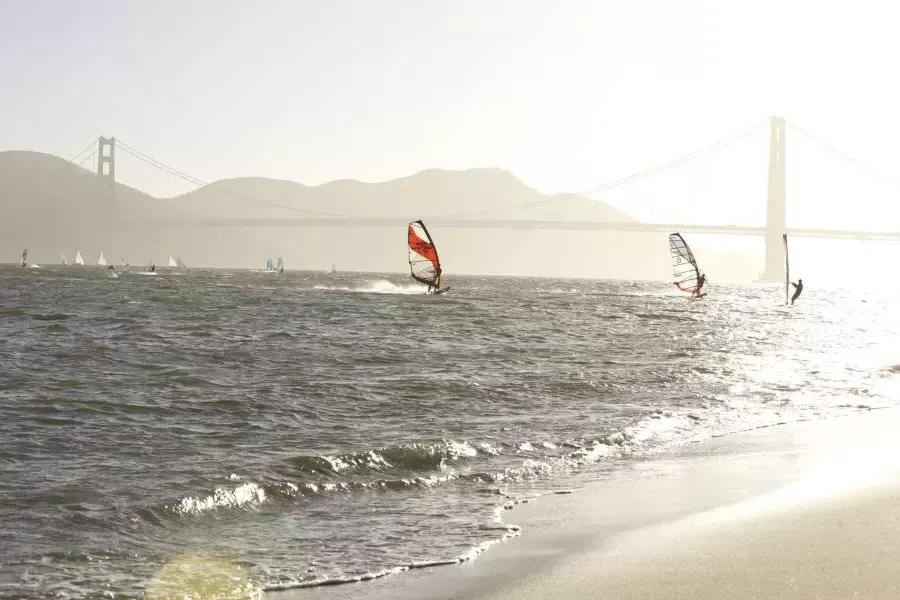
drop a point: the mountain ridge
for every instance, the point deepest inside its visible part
(50, 205)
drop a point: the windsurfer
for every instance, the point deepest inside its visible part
(799, 286)
(701, 280)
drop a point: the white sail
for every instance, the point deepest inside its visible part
(172, 262)
(787, 271)
(24, 254)
(78, 259)
(62, 257)
(280, 266)
(124, 262)
(102, 260)
(685, 272)
(178, 261)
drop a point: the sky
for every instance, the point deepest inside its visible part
(566, 94)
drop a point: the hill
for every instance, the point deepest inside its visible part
(473, 193)
(51, 206)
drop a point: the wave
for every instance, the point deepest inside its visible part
(511, 531)
(52, 317)
(377, 287)
(407, 457)
(241, 496)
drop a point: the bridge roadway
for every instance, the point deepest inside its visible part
(523, 225)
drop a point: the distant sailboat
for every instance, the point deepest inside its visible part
(179, 262)
(124, 262)
(102, 260)
(269, 265)
(78, 259)
(24, 254)
(280, 266)
(172, 262)
(333, 268)
(62, 257)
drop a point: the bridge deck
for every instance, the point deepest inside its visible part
(519, 226)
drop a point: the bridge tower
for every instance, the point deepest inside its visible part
(776, 208)
(106, 161)
(105, 191)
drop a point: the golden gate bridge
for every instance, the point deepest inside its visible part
(104, 151)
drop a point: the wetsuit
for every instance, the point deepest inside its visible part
(700, 283)
(799, 287)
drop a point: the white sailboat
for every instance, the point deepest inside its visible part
(179, 262)
(280, 267)
(172, 262)
(78, 259)
(62, 257)
(124, 262)
(24, 254)
(102, 260)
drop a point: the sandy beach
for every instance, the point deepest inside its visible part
(802, 510)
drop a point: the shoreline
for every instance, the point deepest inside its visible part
(638, 533)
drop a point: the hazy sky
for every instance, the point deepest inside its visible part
(566, 94)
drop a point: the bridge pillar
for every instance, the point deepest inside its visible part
(106, 162)
(106, 190)
(776, 207)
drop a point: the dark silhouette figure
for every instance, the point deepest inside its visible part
(701, 281)
(799, 286)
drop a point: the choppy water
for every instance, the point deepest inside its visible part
(307, 428)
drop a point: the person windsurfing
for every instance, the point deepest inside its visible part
(799, 290)
(701, 280)
(424, 264)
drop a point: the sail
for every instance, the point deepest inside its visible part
(24, 254)
(178, 261)
(280, 266)
(787, 271)
(424, 264)
(684, 267)
(78, 259)
(124, 262)
(172, 262)
(62, 257)
(269, 265)
(102, 260)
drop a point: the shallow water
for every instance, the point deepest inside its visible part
(307, 428)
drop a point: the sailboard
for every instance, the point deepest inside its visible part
(62, 257)
(24, 254)
(280, 266)
(685, 272)
(424, 263)
(79, 260)
(269, 265)
(102, 260)
(787, 271)
(124, 262)
(172, 262)
(179, 262)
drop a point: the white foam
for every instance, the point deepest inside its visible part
(246, 494)
(377, 287)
